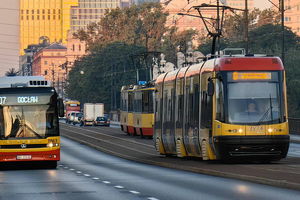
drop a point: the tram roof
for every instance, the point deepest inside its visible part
(24, 81)
(242, 63)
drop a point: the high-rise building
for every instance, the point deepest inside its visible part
(50, 18)
(292, 15)
(88, 11)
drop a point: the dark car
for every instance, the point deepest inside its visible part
(101, 121)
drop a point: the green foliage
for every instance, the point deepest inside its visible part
(139, 25)
(98, 76)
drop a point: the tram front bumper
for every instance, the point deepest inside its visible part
(257, 147)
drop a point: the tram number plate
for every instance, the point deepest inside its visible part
(23, 157)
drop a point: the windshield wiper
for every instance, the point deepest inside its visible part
(35, 133)
(266, 114)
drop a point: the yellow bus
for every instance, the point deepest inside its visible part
(29, 110)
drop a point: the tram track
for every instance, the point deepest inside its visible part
(284, 173)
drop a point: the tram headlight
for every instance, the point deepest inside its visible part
(240, 130)
(270, 130)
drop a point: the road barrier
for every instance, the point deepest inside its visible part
(294, 125)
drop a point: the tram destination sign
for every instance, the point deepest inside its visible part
(251, 76)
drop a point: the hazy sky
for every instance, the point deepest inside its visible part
(9, 31)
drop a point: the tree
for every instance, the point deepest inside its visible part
(174, 39)
(105, 72)
(11, 72)
(142, 25)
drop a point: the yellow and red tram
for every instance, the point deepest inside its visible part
(222, 108)
(137, 110)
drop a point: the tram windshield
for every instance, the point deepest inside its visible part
(254, 102)
(36, 121)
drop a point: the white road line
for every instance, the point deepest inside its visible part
(78, 172)
(134, 192)
(87, 175)
(115, 137)
(152, 198)
(60, 165)
(106, 182)
(119, 186)
(126, 147)
(95, 178)
(71, 169)
(66, 167)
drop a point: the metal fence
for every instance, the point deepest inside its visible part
(294, 125)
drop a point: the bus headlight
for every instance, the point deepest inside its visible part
(240, 130)
(51, 144)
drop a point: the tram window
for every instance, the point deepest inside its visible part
(151, 96)
(196, 105)
(220, 101)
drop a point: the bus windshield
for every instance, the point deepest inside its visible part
(37, 121)
(254, 102)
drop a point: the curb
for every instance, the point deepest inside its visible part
(259, 180)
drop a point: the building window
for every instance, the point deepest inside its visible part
(22, 17)
(27, 12)
(46, 72)
(38, 17)
(49, 17)
(43, 17)
(38, 11)
(22, 12)
(27, 17)
(32, 12)
(79, 47)
(73, 47)
(43, 11)
(54, 17)
(49, 11)
(53, 11)
(58, 11)
(59, 17)
(32, 17)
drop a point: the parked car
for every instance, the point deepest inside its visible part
(101, 121)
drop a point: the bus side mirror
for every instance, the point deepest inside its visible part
(210, 87)
(60, 107)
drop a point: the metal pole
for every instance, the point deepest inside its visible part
(218, 27)
(282, 30)
(246, 27)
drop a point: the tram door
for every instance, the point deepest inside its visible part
(191, 131)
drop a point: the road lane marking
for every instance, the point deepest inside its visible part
(106, 182)
(126, 147)
(134, 192)
(72, 169)
(119, 187)
(87, 175)
(95, 178)
(152, 198)
(114, 137)
(78, 172)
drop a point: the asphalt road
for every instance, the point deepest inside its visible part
(284, 173)
(85, 173)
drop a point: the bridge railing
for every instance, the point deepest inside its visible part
(294, 125)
